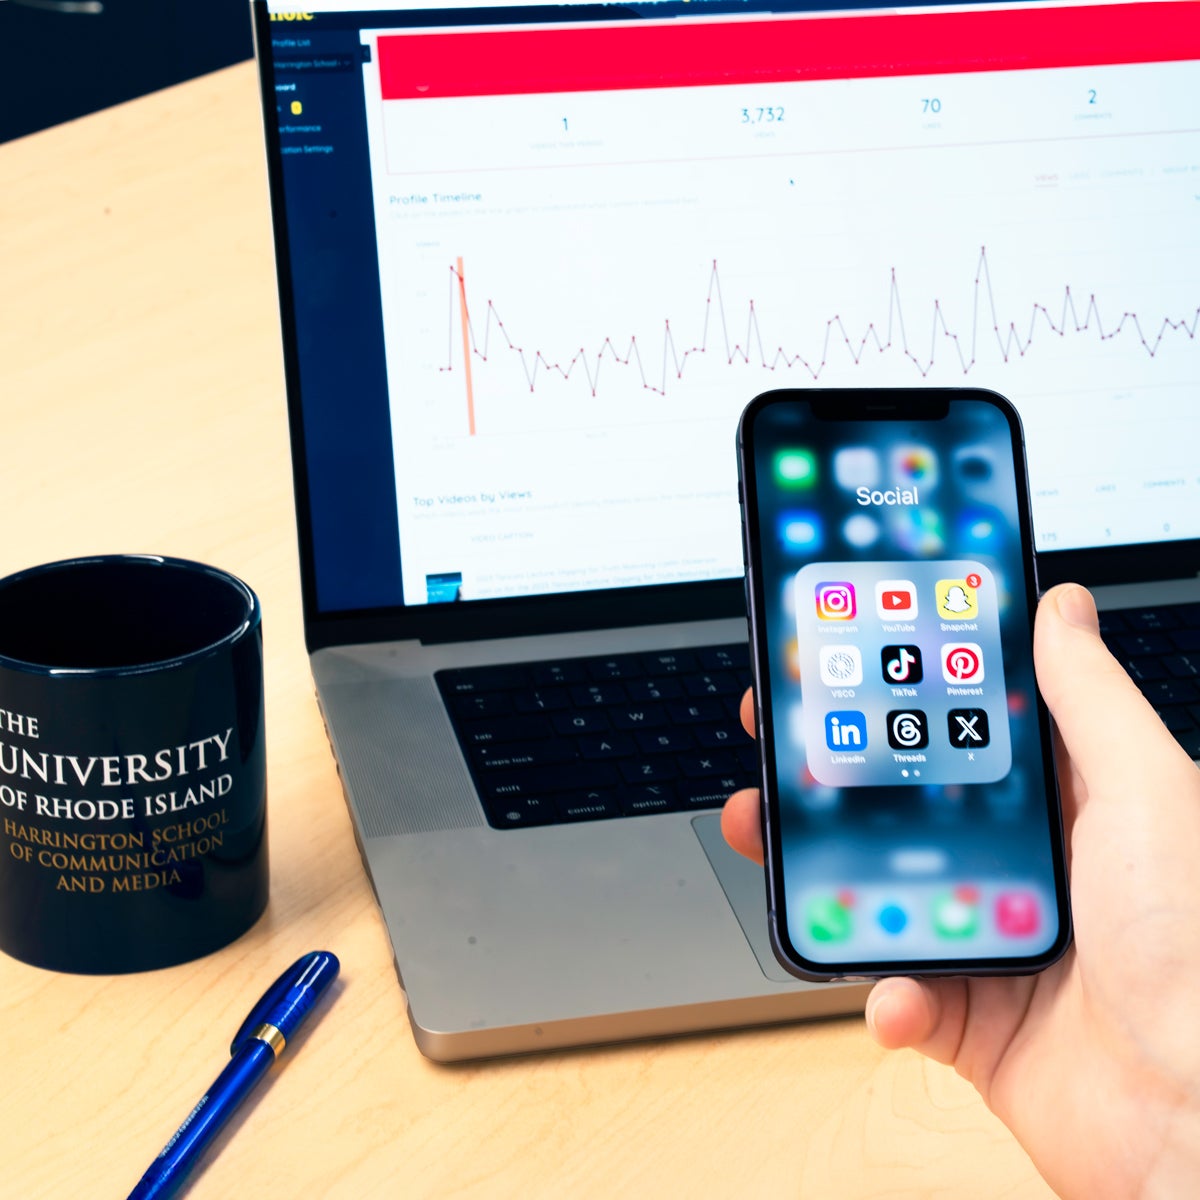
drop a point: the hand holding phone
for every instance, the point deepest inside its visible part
(910, 808)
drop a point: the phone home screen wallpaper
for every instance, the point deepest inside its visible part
(915, 822)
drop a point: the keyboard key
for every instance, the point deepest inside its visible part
(589, 806)
(542, 700)
(714, 683)
(607, 745)
(646, 716)
(621, 666)
(558, 674)
(724, 658)
(1177, 718)
(546, 781)
(1183, 666)
(524, 811)
(649, 770)
(504, 729)
(1152, 618)
(1144, 670)
(581, 722)
(695, 712)
(656, 798)
(673, 662)
(641, 690)
(604, 695)
(713, 762)
(1134, 644)
(527, 754)
(488, 679)
(1185, 639)
(482, 704)
(718, 736)
(1171, 691)
(709, 793)
(665, 741)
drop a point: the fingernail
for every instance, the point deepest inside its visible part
(1076, 607)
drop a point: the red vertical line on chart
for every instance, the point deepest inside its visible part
(466, 343)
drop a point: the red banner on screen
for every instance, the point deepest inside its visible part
(612, 57)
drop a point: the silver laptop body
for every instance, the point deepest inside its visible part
(417, 158)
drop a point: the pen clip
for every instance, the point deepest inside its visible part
(290, 998)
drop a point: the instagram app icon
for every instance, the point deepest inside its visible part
(836, 602)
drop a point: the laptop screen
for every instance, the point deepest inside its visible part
(535, 260)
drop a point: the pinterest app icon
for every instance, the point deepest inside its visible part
(962, 662)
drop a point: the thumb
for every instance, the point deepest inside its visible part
(1109, 729)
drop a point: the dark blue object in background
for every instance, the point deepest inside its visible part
(62, 60)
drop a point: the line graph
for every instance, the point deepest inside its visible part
(739, 338)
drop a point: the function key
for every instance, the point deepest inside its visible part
(724, 658)
(617, 666)
(467, 680)
(672, 662)
(558, 674)
(520, 811)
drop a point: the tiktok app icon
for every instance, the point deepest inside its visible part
(902, 665)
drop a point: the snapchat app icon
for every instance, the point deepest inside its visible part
(957, 600)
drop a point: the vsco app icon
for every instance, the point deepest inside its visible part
(836, 602)
(962, 662)
(907, 729)
(841, 666)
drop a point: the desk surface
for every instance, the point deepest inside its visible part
(141, 398)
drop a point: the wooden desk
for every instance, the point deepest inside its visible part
(142, 409)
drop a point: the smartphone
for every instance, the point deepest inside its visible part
(910, 809)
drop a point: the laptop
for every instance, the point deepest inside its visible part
(533, 261)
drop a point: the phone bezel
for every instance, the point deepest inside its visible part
(870, 405)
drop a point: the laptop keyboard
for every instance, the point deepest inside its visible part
(586, 739)
(1160, 648)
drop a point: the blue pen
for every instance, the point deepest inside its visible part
(259, 1042)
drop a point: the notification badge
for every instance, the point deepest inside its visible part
(962, 663)
(896, 599)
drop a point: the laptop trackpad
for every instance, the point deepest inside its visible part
(745, 891)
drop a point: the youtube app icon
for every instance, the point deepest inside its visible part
(896, 599)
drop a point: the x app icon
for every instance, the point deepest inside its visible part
(968, 728)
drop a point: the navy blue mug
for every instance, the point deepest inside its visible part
(133, 795)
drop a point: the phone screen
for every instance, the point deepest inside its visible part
(912, 815)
